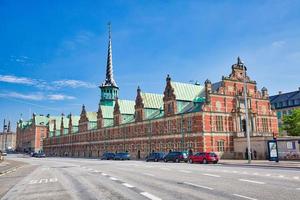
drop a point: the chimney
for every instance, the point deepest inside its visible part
(280, 92)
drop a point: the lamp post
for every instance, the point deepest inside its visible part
(246, 113)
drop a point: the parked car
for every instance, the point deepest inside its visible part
(38, 155)
(122, 156)
(108, 156)
(155, 156)
(176, 156)
(4, 154)
(204, 157)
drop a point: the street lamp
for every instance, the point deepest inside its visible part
(246, 113)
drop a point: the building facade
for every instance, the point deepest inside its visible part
(184, 117)
(30, 134)
(285, 103)
(7, 138)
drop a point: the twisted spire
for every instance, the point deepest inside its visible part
(109, 80)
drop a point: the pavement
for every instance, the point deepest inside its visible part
(77, 178)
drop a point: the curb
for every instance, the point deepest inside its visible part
(260, 165)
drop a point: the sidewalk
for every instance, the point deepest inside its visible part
(262, 163)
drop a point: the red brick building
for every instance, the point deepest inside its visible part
(209, 117)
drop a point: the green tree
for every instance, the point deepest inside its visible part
(291, 123)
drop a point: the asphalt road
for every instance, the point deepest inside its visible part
(70, 178)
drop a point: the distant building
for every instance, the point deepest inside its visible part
(7, 138)
(209, 117)
(30, 134)
(285, 103)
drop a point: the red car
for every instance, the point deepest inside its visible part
(204, 157)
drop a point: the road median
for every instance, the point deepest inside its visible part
(262, 163)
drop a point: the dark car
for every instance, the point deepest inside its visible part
(108, 156)
(204, 157)
(176, 156)
(155, 156)
(122, 156)
(38, 155)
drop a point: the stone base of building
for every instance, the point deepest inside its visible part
(258, 145)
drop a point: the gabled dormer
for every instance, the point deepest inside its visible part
(117, 113)
(139, 107)
(170, 107)
(99, 118)
(83, 121)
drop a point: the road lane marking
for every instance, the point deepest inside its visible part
(113, 178)
(268, 174)
(255, 173)
(148, 174)
(150, 196)
(297, 188)
(185, 171)
(296, 177)
(163, 168)
(212, 175)
(245, 197)
(250, 181)
(199, 186)
(103, 174)
(128, 185)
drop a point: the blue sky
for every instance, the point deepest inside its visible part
(53, 53)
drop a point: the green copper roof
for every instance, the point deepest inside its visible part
(92, 116)
(152, 100)
(107, 111)
(41, 120)
(186, 91)
(126, 106)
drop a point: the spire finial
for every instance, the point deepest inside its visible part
(109, 79)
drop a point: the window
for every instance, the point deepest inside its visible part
(169, 126)
(278, 114)
(220, 146)
(189, 125)
(265, 124)
(219, 123)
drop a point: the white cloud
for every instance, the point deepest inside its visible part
(58, 97)
(36, 96)
(41, 84)
(15, 79)
(73, 84)
(279, 43)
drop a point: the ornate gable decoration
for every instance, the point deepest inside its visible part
(169, 90)
(83, 117)
(99, 113)
(139, 100)
(237, 73)
(117, 108)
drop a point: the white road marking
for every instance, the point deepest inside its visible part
(33, 181)
(185, 171)
(148, 174)
(245, 197)
(255, 174)
(296, 177)
(281, 176)
(150, 196)
(113, 178)
(128, 185)
(200, 186)
(268, 174)
(235, 172)
(103, 174)
(212, 175)
(297, 188)
(250, 181)
(52, 180)
(245, 172)
(43, 180)
(163, 168)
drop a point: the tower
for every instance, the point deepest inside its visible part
(109, 88)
